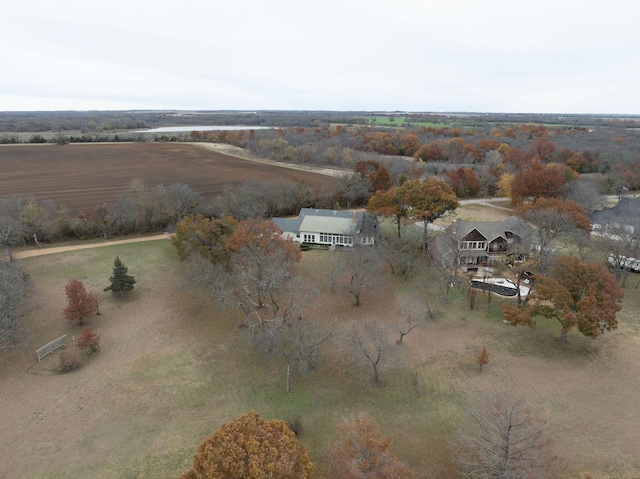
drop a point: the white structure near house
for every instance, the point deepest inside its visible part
(330, 227)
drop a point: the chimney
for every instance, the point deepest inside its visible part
(354, 217)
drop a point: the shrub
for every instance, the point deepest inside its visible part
(88, 339)
(70, 359)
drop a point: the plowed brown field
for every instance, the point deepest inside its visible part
(82, 176)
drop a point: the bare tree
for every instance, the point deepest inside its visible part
(586, 192)
(371, 342)
(353, 189)
(361, 271)
(552, 219)
(621, 240)
(416, 313)
(15, 301)
(298, 343)
(504, 439)
(12, 230)
(278, 325)
(181, 200)
(403, 252)
(336, 271)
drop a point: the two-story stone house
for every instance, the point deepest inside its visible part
(471, 243)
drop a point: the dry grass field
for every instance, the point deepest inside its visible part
(82, 176)
(172, 368)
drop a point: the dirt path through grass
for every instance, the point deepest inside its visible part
(30, 253)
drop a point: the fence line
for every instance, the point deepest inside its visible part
(51, 346)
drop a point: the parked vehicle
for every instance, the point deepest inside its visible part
(622, 262)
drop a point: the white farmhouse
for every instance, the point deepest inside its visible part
(330, 227)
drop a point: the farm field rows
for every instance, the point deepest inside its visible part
(81, 176)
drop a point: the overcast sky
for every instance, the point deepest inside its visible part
(557, 56)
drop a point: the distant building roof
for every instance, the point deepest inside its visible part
(627, 208)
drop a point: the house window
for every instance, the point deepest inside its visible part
(309, 238)
(474, 245)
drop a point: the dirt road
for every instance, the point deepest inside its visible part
(29, 253)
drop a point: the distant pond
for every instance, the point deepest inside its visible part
(174, 129)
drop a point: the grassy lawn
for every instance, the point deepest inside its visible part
(173, 368)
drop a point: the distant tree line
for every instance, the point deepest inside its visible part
(142, 208)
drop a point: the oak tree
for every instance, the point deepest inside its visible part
(577, 294)
(262, 259)
(427, 201)
(389, 203)
(80, 303)
(541, 181)
(362, 453)
(377, 174)
(251, 448)
(204, 236)
(464, 182)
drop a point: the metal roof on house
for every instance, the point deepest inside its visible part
(291, 225)
(328, 224)
(627, 209)
(313, 220)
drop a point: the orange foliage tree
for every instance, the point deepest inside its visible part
(541, 181)
(423, 200)
(388, 203)
(427, 201)
(205, 236)
(262, 258)
(431, 152)
(80, 303)
(361, 453)
(577, 294)
(251, 448)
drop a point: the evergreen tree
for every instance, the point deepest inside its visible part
(121, 282)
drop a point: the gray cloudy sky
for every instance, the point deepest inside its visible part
(564, 56)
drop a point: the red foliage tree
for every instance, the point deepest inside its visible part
(80, 303)
(88, 339)
(577, 294)
(516, 159)
(543, 148)
(361, 453)
(377, 174)
(464, 182)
